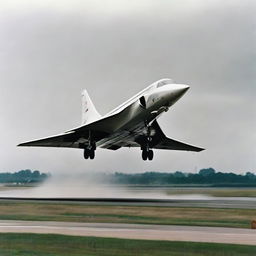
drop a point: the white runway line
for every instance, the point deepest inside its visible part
(134, 231)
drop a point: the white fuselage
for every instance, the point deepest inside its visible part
(142, 109)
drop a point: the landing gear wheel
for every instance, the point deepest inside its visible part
(144, 155)
(89, 153)
(150, 155)
(92, 154)
(86, 153)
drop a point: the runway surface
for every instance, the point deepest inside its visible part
(242, 203)
(134, 231)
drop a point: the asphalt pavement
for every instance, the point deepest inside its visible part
(134, 231)
(236, 203)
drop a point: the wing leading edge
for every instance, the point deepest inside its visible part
(74, 139)
(68, 140)
(79, 137)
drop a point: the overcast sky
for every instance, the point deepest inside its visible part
(51, 50)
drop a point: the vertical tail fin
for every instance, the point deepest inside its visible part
(89, 112)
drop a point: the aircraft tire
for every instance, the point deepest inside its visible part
(92, 154)
(86, 153)
(150, 155)
(144, 155)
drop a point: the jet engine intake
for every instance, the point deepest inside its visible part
(143, 101)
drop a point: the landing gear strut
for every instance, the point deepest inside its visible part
(147, 153)
(89, 151)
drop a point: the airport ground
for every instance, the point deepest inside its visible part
(59, 245)
(114, 213)
(187, 189)
(219, 221)
(215, 191)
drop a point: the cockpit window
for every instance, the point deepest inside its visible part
(164, 82)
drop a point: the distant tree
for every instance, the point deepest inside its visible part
(205, 176)
(250, 174)
(23, 176)
(179, 174)
(206, 172)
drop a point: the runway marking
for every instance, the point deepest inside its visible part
(134, 231)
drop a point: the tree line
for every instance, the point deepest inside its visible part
(204, 177)
(23, 176)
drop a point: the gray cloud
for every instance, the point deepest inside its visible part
(51, 51)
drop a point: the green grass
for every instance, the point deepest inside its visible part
(240, 218)
(213, 191)
(56, 245)
(137, 220)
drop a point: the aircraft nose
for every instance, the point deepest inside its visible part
(176, 91)
(180, 89)
(172, 92)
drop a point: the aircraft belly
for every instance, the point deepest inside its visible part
(131, 127)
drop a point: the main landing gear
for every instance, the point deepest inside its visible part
(89, 151)
(147, 154)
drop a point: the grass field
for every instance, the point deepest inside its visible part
(59, 245)
(216, 192)
(127, 214)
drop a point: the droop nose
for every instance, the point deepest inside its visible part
(170, 93)
(179, 89)
(176, 91)
(182, 88)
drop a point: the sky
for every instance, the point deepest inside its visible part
(51, 50)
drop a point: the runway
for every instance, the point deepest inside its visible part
(134, 231)
(241, 203)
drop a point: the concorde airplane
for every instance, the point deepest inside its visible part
(132, 124)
